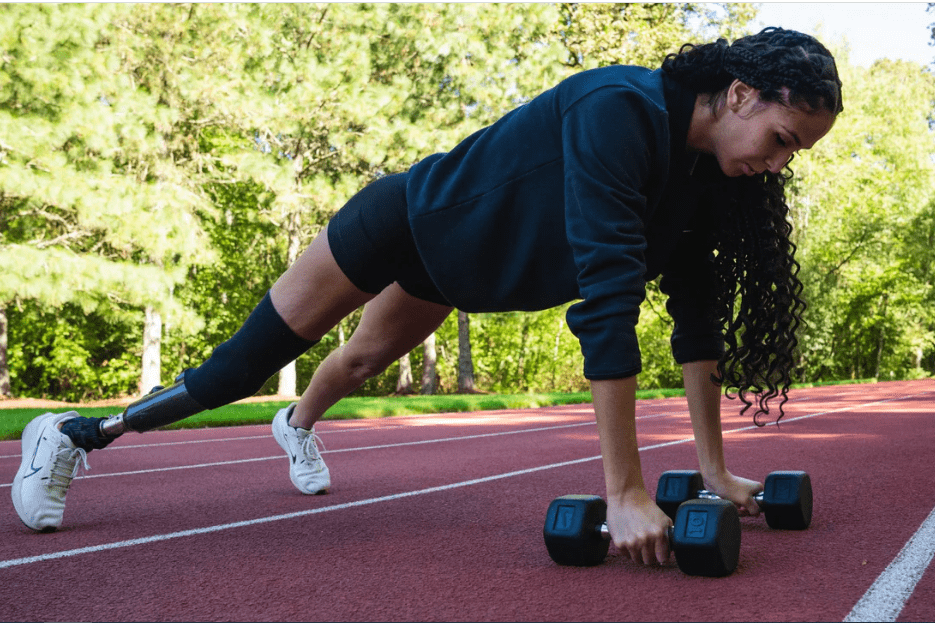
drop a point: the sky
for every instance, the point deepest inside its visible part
(896, 30)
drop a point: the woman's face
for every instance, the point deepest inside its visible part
(752, 136)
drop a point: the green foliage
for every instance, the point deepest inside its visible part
(95, 210)
(178, 156)
(653, 331)
(69, 355)
(525, 351)
(597, 35)
(862, 204)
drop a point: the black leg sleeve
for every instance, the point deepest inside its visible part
(239, 367)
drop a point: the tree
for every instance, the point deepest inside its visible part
(597, 35)
(163, 164)
(429, 360)
(340, 94)
(465, 363)
(861, 203)
(404, 381)
(4, 365)
(86, 172)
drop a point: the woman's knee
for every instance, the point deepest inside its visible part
(313, 295)
(362, 364)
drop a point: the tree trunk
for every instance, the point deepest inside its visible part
(404, 383)
(879, 362)
(287, 381)
(465, 363)
(151, 375)
(558, 338)
(5, 389)
(429, 359)
(288, 376)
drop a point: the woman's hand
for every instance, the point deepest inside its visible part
(738, 490)
(638, 527)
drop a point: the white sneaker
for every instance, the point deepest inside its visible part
(307, 469)
(50, 462)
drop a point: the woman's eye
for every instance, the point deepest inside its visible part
(779, 140)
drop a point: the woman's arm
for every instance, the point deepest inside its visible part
(637, 526)
(704, 406)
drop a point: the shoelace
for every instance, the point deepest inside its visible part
(65, 468)
(310, 447)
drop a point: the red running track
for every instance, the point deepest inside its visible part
(440, 518)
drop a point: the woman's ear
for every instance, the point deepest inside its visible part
(741, 95)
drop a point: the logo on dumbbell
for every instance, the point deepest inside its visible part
(697, 522)
(565, 518)
(783, 489)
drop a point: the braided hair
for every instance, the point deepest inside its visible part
(755, 258)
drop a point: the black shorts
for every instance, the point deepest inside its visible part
(372, 242)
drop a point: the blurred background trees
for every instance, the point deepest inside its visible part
(161, 165)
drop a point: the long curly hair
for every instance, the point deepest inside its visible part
(754, 256)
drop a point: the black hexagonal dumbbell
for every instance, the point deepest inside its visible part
(786, 499)
(705, 538)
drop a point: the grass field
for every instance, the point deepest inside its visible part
(13, 421)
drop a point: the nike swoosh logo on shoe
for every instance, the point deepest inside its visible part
(32, 461)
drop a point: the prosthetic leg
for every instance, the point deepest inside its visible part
(238, 368)
(160, 407)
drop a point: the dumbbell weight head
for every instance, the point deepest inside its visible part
(675, 487)
(573, 530)
(787, 500)
(706, 538)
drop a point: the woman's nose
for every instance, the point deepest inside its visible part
(777, 162)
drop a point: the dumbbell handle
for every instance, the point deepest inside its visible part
(604, 531)
(707, 495)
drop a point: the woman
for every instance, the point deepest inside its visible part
(613, 177)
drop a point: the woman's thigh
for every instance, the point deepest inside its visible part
(313, 295)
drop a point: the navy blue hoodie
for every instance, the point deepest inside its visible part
(585, 192)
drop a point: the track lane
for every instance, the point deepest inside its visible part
(493, 531)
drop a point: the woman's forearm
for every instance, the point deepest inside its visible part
(615, 408)
(704, 405)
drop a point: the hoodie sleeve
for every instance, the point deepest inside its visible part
(615, 146)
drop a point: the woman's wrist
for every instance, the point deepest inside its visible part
(635, 494)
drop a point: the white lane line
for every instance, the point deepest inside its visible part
(332, 432)
(223, 439)
(167, 443)
(251, 522)
(218, 439)
(314, 511)
(325, 431)
(785, 420)
(887, 596)
(355, 449)
(384, 428)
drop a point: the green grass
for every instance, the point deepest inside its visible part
(13, 421)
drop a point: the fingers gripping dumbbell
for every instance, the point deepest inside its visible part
(705, 537)
(786, 499)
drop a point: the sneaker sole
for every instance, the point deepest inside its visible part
(29, 440)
